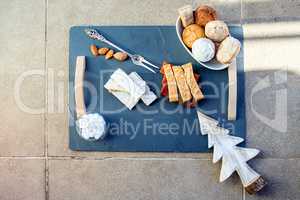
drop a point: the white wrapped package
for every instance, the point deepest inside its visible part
(91, 126)
(149, 96)
(123, 96)
(124, 88)
(126, 83)
(129, 89)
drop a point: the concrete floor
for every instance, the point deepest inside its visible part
(35, 162)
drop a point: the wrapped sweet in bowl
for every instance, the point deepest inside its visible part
(212, 64)
(216, 32)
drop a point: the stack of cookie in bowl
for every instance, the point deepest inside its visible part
(206, 36)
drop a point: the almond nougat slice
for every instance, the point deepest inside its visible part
(172, 87)
(181, 84)
(191, 82)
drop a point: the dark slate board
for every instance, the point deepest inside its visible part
(166, 127)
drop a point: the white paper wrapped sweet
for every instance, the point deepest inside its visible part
(129, 89)
(91, 126)
(203, 49)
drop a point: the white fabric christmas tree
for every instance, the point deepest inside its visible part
(234, 158)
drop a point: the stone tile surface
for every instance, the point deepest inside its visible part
(283, 179)
(22, 179)
(22, 78)
(64, 14)
(273, 115)
(265, 10)
(272, 79)
(139, 179)
(269, 46)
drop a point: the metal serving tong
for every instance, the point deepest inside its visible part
(136, 59)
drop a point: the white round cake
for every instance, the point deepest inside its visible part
(203, 49)
(91, 126)
(216, 30)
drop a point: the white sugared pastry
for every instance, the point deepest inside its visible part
(203, 49)
(228, 50)
(91, 126)
(216, 30)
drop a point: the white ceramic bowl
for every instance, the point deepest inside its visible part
(213, 64)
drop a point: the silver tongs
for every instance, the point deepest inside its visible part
(136, 59)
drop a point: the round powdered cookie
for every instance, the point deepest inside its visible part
(204, 14)
(192, 33)
(216, 30)
(203, 50)
(228, 50)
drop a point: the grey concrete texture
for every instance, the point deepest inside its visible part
(22, 50)
(22, 179)
(139, 179)
(265, 10)
(283, 179)
(269, 128)
(272, 82)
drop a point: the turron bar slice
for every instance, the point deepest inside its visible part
(191, 82)
(172, 87)
(182, 84)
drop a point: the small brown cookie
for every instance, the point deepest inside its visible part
(205, 14)
(191, 33)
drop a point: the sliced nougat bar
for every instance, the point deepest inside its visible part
(191, 81)
(181, 84)
(172, 87)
